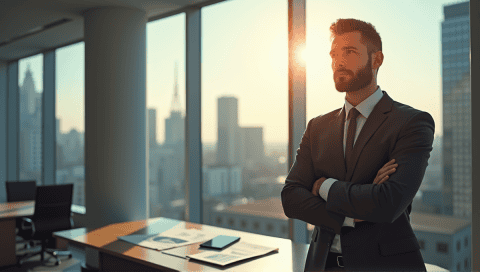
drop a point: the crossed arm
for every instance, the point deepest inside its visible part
(365, 200)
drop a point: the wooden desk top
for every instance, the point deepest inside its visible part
(290, 257)
(11, 210)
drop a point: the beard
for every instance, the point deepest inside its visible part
(362, 79)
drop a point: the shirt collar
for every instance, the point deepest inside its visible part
(367, 105)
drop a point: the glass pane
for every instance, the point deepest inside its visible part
(166, 116)
(70, 118)
(245, 115)
(426, 66)
(30, 86)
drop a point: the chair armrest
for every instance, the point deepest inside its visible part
(26, 220)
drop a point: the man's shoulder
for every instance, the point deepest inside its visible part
(404, 111)
(327, 117)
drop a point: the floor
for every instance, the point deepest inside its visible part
(34, 263)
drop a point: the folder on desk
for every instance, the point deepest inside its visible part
(237, 252)
(171, 238)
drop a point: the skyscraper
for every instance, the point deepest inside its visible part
(152, 127)
(254, 146)
(457, 177)
(230, 140)
(175, 124)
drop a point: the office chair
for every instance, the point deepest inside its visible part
(53, 204)
(21, 191)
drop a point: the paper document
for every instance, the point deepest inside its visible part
(236, 252)
(171, 238)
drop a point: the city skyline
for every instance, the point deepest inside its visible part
(229, 49)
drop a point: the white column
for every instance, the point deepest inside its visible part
(296, 97)
(193, 150)
(116, 188)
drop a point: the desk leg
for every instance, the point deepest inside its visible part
(7, 242)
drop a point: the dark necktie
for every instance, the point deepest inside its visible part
(352, 127)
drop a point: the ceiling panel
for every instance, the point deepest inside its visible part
(22, 21)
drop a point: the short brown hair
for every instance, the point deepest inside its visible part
(369, 36)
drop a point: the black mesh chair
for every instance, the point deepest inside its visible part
(21, 191)
(53, 204)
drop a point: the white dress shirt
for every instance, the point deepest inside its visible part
(365, 108)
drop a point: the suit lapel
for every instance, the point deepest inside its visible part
(375, 119)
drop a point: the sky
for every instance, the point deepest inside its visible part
(244, 54)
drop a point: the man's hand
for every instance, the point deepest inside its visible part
(383, 175)
(316, 185)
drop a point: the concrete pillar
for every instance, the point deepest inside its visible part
(116, 188)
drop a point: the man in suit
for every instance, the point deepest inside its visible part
(360, 225)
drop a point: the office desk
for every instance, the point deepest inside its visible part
(118, 255)
(8, 214)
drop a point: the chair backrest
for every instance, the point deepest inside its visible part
(53, 202)
(20, 190)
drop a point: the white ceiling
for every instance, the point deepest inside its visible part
(18, 18)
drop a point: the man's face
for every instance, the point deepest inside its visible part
(352, 66)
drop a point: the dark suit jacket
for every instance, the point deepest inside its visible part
(385, 241)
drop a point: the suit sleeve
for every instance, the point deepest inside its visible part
(297, 199)
(323, 192)
(384, 203)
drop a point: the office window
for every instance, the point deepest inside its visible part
(466, 242)
(458, 246)
(439, 80)
(231, 222)
(244, 224)
(70, 118)
(219, 220)
(458, 266)
(30, 87)
(245, 108)
(166, 116)
(442, 247)
(466, 263)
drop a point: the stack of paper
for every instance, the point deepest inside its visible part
(236, 252)
(169, 239)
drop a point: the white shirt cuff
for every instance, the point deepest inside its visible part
(325, 188)
(323, 192)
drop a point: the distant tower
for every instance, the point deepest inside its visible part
(230, 146)
(28, 96)
(175, 124)
(457, 140)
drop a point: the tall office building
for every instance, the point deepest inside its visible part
(254, 146)
(457, 159)
(175, 124)
(152, 127)
(30, 129)
(230, 138)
